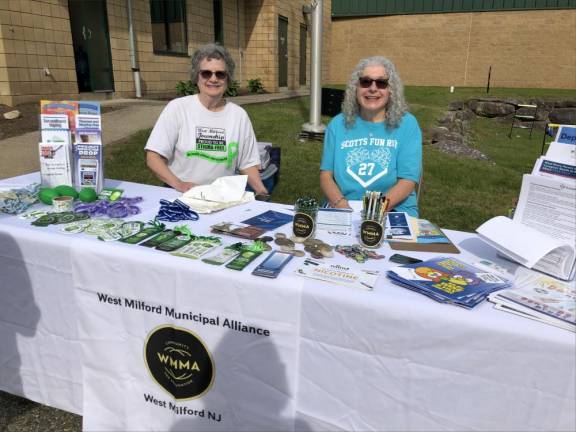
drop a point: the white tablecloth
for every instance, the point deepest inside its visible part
(389, 359)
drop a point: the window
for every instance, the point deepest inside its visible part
(218, 22)
(169, 26)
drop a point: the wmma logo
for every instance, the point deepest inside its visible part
(179, 362)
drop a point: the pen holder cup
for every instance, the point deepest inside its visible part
(304, 223)
(371, 233)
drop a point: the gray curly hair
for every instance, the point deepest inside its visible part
(396, 106)
(208, 52)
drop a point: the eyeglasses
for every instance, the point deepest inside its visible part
(366, 82)
(207, 74)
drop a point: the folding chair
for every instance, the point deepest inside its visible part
(520, 118)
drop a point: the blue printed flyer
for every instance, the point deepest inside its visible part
(269, 220)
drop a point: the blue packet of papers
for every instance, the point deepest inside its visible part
(448, 280)
(269, 220)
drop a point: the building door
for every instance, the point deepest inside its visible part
(303, 34)
(282, 51)
(90, 38)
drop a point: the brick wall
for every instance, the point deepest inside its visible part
(524, 48)
(34, 35)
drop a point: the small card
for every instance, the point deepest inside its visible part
(197, 248)
(222, 257)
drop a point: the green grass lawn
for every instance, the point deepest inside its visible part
(457, 193)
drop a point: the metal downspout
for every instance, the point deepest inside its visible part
(315, 124)
(133, 60)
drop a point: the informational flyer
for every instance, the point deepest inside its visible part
(358, 278)
(55, 166)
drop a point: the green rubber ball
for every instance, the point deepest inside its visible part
(66, 190)
(46, 194)
(87, 195)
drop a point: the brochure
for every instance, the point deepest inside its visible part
(542, 298)
(67, 108)
(549, 168)
(398, 226)
(429, 238)
(88, 129)
(55, 166)
(448, 280)
(89, 171)
(269, 220)
(542, 235)
(238, 230)
(54, 129)
(339, 274)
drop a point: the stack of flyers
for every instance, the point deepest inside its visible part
(541, 298)
(334, 221)
(339, 274)
(448, 280)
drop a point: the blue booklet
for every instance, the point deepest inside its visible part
(448, 280)
(269, 220)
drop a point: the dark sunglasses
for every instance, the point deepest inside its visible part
(207, 74)
(365, 82)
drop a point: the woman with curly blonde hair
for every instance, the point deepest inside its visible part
(375, 144)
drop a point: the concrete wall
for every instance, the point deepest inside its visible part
(525, 48)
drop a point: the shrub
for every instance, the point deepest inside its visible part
(232, 89)
(255, 85)
(186, 88)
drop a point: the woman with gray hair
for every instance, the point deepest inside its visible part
(374, 144)
(200, 138)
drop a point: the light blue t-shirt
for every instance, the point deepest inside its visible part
(371, 157)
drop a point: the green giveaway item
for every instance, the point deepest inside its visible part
(110, 194)
(66, 190)
(87, 195)
(47, 194)
(159, 238)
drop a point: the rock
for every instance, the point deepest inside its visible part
(563, 116)
(566, 104)
(465, 115)
(455, 106)
(448, 118)
(11, 115)
(491, 109)
(443, 134)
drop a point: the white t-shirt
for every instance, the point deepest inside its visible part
(202, 145)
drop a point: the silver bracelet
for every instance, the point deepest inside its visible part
(335, 203)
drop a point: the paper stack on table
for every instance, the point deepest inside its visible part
(541, 298)
(448, 280)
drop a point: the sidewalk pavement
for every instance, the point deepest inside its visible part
(20, 153)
